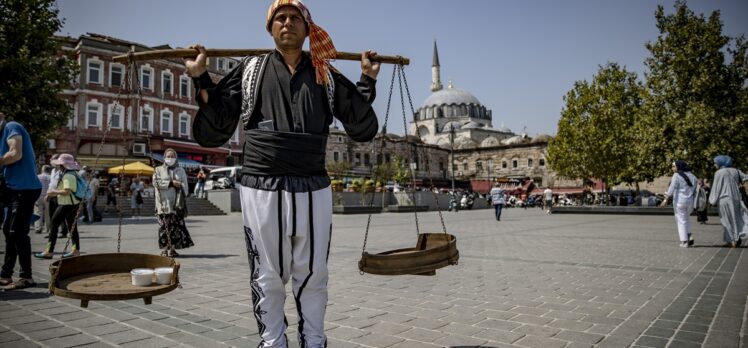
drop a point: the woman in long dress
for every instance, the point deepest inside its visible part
(682, 189)
(170, 182)
(726, 195)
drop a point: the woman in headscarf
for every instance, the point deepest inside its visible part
(726, 195)
(170, 182)
(682, 189)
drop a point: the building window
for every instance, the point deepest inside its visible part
(116, 113)
(146, 119)
(514, 163)
(478, 165)
(358, 159)
(464, 165)
(335, 156)
(345, 157)
(541, 162)
(95, 66)
(166, 82)
(387, 158)
(529, 162)
(379, 159)
(184, 125)
(231, 64)
(366, 159)
(93, 114)
(184, 86)
(166, 117)
(503, 164)
(340, 139)
(116, 71)
(146, 77)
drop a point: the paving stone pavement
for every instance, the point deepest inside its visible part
(531, 280)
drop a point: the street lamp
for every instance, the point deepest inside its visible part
(452, 151)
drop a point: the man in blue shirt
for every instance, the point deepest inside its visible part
(22, 189)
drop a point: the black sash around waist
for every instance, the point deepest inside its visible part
(274, 153)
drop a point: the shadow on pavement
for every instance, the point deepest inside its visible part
(204, 256)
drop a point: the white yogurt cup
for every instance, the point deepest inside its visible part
(142, 276)
(163, 275)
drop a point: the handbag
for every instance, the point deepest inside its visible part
(180, 203)
(139, 198)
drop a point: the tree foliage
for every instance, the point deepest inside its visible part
(33, 70)
(696, 105)
(593, 133)
(337, 169)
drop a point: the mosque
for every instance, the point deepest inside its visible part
(454, 119)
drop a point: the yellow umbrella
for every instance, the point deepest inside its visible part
(134, 168)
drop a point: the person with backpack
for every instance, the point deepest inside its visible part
(498, 200)
(683, 191)
(70, 191)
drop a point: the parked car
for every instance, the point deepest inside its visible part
(222, 178)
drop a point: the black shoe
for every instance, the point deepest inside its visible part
(38, 231)
(690, 241)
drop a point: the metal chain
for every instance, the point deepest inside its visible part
(70, 228)
(384, 133)
(412, 151)
(415, 121)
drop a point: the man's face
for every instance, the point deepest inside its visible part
(288, 28)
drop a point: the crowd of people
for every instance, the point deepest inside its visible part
(53, 199)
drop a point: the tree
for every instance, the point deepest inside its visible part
(595, 137)
(401, 171)
(33, 70)
(696, 105)
(338, 168)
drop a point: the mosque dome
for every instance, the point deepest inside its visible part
(490, 141)
(450, 96)
(451, 124)
(472, 125)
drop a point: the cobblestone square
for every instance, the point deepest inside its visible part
(530, 280)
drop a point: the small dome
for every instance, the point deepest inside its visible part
(517, 139)
(504, 130)
(541, 138)
(490, 141)
(450, 96)
(451, 124)
(465, 143)
(472, 125)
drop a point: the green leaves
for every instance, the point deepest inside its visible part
(693, 106)
(32, 70)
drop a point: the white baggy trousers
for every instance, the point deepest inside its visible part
(682, 213)
(288, 236)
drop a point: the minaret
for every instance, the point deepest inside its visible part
(436, 83)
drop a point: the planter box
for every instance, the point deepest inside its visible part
(406, 208)
(355, 209)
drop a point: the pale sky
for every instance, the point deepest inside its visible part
(518, 57)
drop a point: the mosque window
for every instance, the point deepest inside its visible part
(514, 163)
(529, 162)
(503, 164)
(541, 162)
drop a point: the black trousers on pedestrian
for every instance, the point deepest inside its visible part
(52, 209)
(64, 215)
(17, 218)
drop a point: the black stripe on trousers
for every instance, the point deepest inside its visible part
(293, 214)
(311, 263)
(280, 231)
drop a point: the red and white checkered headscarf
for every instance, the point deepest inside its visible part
(320, 44)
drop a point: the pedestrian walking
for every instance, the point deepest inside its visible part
(67, 206)
(701, 203)
(54, 181)
(200, 187)
(136, 196)
(41, 207)
(725, 194)
(19, 190)
(498, 200)
(548, 199)
(286, 101)
(111, 194)
(682, 190)
(170, 181)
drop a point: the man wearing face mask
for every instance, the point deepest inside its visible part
(284, 103)
(19, 190)
(170, 182)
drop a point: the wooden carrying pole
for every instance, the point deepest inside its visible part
(219, 52)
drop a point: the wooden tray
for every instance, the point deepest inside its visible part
(106, 277)
(432, 251)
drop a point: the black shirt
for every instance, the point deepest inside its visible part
(291, 103)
